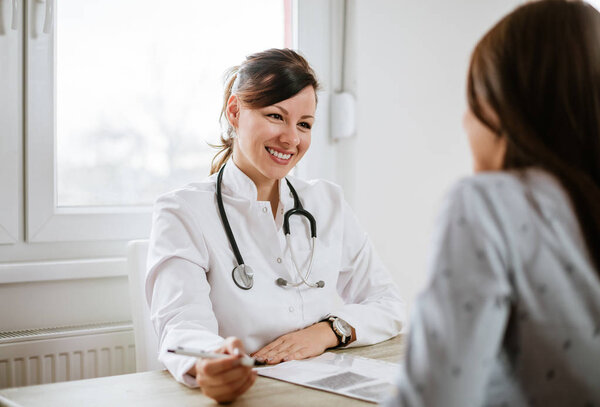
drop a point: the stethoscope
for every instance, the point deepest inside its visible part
(242, 274)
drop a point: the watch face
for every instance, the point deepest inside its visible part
(343, 327)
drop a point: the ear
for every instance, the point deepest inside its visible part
(233, 110)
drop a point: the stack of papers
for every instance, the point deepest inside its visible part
(353, 376)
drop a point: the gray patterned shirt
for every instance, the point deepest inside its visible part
(510, 315)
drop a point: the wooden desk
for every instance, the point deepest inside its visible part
(158, 388)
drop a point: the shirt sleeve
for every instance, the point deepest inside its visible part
(372, 302)
(177, 289)
(458, 321)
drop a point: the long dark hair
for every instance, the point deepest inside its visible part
(539, 70)
(263, 79)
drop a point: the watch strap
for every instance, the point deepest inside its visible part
(343, 339)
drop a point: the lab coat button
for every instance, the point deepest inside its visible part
(279, 260)
(291, 309)
(265, 209)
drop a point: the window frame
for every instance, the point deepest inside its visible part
(313, 38)
(11, 125)
(46, 222)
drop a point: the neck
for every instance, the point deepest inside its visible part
(266, 189)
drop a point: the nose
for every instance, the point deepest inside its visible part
(290, 136)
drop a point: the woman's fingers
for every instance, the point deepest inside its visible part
(267, 348)
(270, 352)
(227, 384)
(285, 347)
(230, 391)
(301, 344)
(224, 378)
(231, 344)
(298, 355)
(246, 385)
(292, 353)
(282, 353)
(212, 367)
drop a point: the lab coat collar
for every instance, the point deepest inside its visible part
(236, 183)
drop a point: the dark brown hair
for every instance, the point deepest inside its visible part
(538, 69)
(263, 79)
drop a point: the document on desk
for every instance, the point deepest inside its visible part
(353, 376)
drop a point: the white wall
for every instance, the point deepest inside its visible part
(408, 63)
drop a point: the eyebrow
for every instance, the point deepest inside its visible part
(306, 116)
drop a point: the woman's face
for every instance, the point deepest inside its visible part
(271, 140)
(487, 148)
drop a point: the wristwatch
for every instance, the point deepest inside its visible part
(341, 329)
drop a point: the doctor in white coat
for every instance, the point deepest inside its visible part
(267, 299)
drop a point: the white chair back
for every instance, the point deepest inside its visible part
(146, 340)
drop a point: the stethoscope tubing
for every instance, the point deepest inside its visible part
(226, 226)
(304, 279)
(296, 210)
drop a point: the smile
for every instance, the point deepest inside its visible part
(279, 155)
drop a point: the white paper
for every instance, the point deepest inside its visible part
(352, 376)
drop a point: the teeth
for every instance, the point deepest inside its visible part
(279, 155)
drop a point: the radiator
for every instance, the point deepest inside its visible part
(67, 353)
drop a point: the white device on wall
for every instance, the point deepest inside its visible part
(343, 103)
(343, 115)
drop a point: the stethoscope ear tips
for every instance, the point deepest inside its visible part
(321, 284)
(281, 282)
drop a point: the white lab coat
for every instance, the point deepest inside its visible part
(194, 301)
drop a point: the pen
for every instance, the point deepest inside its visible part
(180, 350)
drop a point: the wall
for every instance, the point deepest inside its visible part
(407, 67)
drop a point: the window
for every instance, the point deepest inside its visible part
(124, 98)
(137, 106)
(11, 66)
(110, 94)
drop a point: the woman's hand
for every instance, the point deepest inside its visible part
(302, 344)
(223, 380)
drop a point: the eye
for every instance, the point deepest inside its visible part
(305, 125)
(275, 116)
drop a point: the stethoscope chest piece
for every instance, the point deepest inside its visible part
(243, 276)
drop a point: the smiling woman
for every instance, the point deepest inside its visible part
(270, 138)
(200, 286)
(261, 85)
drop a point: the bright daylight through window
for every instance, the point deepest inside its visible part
(139, 87)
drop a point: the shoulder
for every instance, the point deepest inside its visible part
(191, 194)
(508, 190)
(489, 190)
(487, 203)
(317, 188)
(488, 183)
(502, 203)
